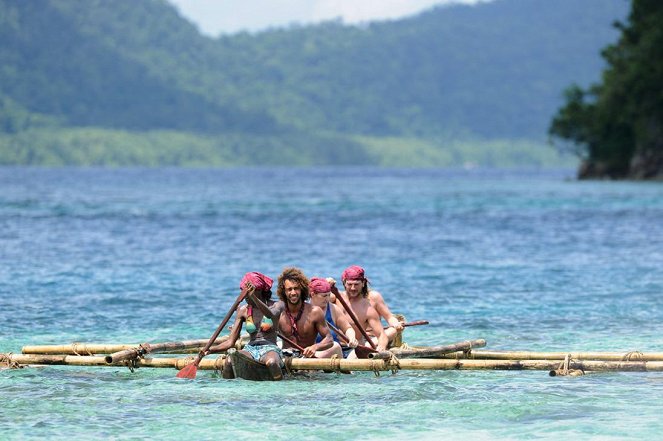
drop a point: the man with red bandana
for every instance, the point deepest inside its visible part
(320, 291)
(357, 296)
(301, 322)
(377, 301)
(260, 317)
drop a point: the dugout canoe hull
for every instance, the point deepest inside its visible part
(249, 369)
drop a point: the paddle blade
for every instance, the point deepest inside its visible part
(188, 371)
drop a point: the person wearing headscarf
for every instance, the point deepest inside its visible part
(357, 296)
(320, 291)
(356, 272)
(260, 317)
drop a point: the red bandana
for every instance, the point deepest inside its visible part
(260, 281)
(318, 285)
(353, 272)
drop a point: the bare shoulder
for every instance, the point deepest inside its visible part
(315, 311)
(278, 307)
(375, 296)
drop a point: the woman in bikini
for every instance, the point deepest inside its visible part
(260, 316)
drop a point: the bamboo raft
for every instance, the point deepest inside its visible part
(339, 364)
(457, 356)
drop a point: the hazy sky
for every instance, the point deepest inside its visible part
(226, 16)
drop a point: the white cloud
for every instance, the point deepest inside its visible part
(226, 16)
(367, 10)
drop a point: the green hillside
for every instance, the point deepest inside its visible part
(131, 82)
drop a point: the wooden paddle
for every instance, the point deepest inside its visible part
(352, 315)
(292, 343)
(361, 350)
(189, 371)
(415, 323)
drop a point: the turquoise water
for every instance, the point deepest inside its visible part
(528, 260)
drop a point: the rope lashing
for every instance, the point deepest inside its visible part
(374, 365)
(394, 363)
(633, 356)
(6, 359)
(335, 363)
(564, 370)
(287, 361)
(80, 349)
(131, 363)
(143, 349)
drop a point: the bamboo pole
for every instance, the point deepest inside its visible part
(93, 360)
(337, 364)
(436, 351)
(187, 346)
(155, 348)
(531, 355)
(77, 348)
(107, 348)
(444, 364)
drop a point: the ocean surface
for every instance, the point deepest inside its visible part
(526, 259)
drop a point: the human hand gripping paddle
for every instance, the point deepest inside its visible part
(294, 344)
(189, 371)
(352, 315)
(361, 350)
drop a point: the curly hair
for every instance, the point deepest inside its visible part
(294, 275)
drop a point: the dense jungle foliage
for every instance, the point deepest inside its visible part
(617, 124)
(132, 82)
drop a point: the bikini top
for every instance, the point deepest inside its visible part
(265, 325)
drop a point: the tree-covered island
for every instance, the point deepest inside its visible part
(616, 125)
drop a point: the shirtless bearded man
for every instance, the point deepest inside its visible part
(357, 296)
(301, 321)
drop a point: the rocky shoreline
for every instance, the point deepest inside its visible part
(646, 166)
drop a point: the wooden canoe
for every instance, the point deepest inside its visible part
(247, 368)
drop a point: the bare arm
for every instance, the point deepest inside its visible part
(377, 301)
(343, 323)
(373, 320)
(234, 334)
(322, 329)
(260, 304)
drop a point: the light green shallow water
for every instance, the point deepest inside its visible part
(90, 403)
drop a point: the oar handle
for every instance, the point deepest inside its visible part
(291, 342)
(353, 316)
(347, 340)
(416, 323)
(338, 331)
